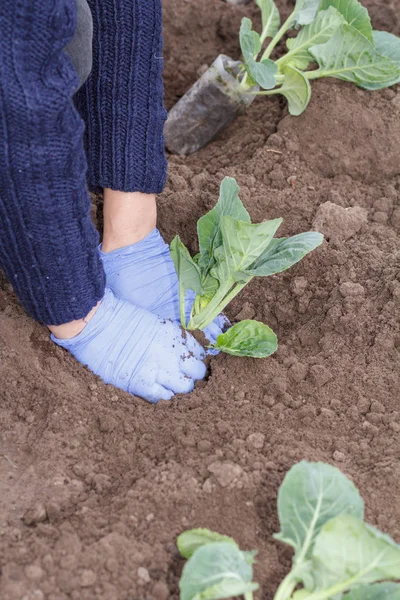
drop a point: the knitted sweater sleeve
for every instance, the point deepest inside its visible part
(48, 245)
(122, 100)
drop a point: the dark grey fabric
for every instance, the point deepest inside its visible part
(79, 48)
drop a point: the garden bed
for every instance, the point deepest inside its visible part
(117, 479)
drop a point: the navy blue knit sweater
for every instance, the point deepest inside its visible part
(48, 245)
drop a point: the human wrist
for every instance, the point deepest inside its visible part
(128, 218)
(70, 330)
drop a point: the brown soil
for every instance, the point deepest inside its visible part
(110, 480)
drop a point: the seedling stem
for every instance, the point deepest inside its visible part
(275, 40)
(286, 588)
(221, 299)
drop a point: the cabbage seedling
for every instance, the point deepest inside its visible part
(334, 39)
(337, 556)
(335, 35)
(233, 251)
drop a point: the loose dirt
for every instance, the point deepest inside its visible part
(95, 485)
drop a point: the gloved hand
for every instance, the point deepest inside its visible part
(136, 351)
(144, 273)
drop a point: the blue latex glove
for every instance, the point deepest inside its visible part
(136, 351)
(144, 273)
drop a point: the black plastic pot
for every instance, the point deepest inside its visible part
(209, 106)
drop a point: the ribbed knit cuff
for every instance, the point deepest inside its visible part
(122, 102)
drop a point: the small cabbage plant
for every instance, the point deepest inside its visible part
(233, 251)
(337, 556)
(335, 39)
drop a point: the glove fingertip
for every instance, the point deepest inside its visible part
(212, 352)
(194, 347)
(193, 368)
(154, 394)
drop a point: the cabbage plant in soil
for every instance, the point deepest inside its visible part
(334, 39)
(336, 36)
(337, 555)
(233, 251)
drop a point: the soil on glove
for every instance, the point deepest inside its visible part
(95, 485)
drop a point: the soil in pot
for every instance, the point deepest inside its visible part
(209, 106)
